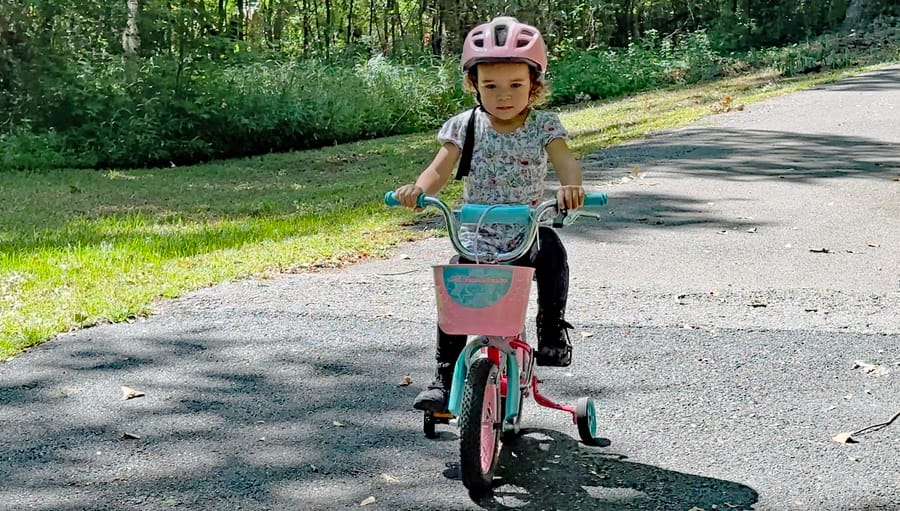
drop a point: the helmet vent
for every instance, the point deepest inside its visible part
(500, 34)
(522, 43)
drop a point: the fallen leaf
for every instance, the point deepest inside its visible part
(820, 250)
(758, 304)
(338, 424)
(407, 380)
(695, 508)
(873, 369)
(129, 436)
(405, 256)
(585, 335)
(874, 245)
(752, 230)
(844, 438)
(129, 393)
(388, 478)
(367, 501)
(68, 391)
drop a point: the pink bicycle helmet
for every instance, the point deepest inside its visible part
(504, 39)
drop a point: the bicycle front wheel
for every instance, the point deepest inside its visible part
(479, 426)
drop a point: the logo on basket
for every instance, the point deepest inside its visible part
(477, 287)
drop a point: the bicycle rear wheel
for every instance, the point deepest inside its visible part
(479, 426)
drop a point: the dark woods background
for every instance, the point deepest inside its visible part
(148, 82)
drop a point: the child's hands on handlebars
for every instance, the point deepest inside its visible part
(407, 195)
(569, 197)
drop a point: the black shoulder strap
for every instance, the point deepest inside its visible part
(465, 160)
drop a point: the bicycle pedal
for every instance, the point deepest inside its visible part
(442, 415)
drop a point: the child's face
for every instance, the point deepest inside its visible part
(505, 88)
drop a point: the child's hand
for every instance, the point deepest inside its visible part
(570, 196)
(407, 195)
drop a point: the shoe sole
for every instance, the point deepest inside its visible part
(427, 407)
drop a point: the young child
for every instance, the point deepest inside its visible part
(504, 62)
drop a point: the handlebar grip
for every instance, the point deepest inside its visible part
(390, 199)
(595, 200)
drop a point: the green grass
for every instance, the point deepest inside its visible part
(82, 247)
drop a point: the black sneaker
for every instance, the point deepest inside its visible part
(554, 346)
(432, 399)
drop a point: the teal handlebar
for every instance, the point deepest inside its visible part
(595, 200)
(390, 199)
(501, 213)
(591, 200)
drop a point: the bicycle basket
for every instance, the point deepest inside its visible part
(482, 299)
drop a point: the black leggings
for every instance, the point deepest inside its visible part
(551, 271)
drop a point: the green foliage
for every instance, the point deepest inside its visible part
(830, 51)
(656, 62)
(22, 148)
(115, 118)
(653, 62)
(196, 90)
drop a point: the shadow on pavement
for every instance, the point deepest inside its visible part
(882, 80)
(744, 155)
(546, 469)
(266, 422)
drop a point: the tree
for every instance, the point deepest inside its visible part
(861, 12)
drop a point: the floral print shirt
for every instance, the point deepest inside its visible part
(507, 168)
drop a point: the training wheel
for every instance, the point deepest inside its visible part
(586, 418)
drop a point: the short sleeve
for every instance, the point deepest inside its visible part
(454, 130)
(552, 128)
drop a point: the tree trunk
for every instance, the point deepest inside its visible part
(861, 12)
(454, 32)
(131, 40)
(350, 23)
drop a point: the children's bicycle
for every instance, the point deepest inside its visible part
(494, 373)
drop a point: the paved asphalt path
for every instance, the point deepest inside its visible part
(737, 307)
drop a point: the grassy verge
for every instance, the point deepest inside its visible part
(81, 247)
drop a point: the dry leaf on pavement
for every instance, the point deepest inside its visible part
(367, 501)
(873, 369)
(844, 438)
(130, 393)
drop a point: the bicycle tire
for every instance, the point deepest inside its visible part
(479, 427)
